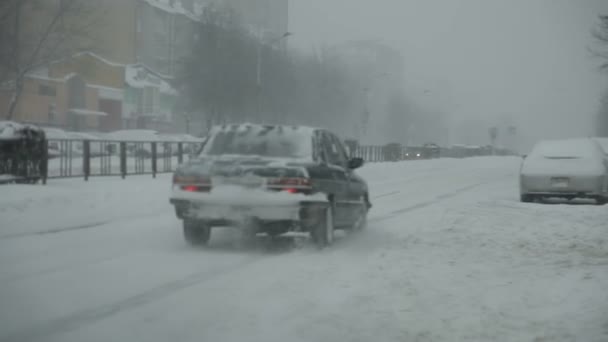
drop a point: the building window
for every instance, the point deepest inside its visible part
(46, 90)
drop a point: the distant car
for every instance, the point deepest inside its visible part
(568, 169)
(414, 152)
(270, 179)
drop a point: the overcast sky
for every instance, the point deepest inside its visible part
(524, 62)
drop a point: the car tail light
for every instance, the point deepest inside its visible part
(295, 185)
(192, 183)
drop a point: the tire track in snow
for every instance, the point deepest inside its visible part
(55, 230)
(420, 205)
(98, 224)
(85, 317)
(85, 226)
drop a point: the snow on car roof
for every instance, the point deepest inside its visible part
(281, 141)
(567, 148)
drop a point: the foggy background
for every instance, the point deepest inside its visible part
(479, 63)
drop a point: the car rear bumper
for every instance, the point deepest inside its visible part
(590, 186)
(566, 194)
(299, 214)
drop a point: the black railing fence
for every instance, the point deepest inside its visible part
(90, 158)
(93, 158)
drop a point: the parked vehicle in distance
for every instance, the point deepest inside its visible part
(568, 169)
(414, 152)
(270, 179)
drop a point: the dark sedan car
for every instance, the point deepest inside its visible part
(270, 179)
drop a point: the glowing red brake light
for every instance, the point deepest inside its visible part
(294, 185)
(192, 183)
(190, 188)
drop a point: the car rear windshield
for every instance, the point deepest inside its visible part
(567, 149)
(266, 141)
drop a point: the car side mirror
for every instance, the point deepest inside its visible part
(355, 163)
(524, 156)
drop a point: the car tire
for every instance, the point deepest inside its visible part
(196, 233)
(361, 222)
(323, 233)
(601, 200)
(525, 198)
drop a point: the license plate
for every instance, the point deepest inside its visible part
(560, 182)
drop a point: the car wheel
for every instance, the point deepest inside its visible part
(525, 198)
(196, 232)
(361, 222)
(601, 200)
(323, 233)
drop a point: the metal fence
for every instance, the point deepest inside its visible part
(90, 158)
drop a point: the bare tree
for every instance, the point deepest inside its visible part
(220, 78)
(34, 33)
(601, 34)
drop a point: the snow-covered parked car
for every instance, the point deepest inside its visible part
(575, 168)
(273, 180)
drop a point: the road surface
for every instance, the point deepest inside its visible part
(449, 255)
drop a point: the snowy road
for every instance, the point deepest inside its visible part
(449, 255)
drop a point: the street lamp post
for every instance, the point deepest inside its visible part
(259, 68)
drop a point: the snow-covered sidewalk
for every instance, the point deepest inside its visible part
(450, 255)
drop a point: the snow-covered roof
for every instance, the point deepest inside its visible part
(139, 76)
(177, 7)
(87, 112)
(10, 130)
(96, 56)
